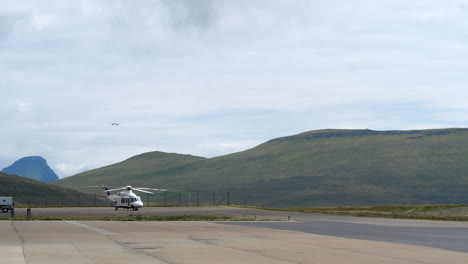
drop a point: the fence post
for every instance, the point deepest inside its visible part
(213, 198)
(228, 202)
(165, 199)
(28, 214)
(180, 199)
(197, 198)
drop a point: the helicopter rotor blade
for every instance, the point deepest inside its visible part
(118, 189)
(153, 189)
(137, 189)
(160, 190)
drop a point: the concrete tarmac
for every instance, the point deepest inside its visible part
(195, 242)
(307, 238)
(443, 235)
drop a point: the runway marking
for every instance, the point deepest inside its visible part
(92, 228)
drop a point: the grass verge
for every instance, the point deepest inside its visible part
(424, 212)
(138, 218)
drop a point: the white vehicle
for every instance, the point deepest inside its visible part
(125, 198)
(6, 204)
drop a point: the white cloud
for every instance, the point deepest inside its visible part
(215, 148)
(22, 107)
(211, 77)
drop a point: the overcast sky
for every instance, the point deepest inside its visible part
(212, 77)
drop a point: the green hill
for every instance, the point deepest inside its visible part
(141, 170)
(31, 192)
(316, 168)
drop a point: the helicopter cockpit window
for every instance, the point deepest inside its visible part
(133, 199)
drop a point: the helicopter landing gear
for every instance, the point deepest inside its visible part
(116, 208)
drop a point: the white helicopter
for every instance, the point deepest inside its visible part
(125, 198)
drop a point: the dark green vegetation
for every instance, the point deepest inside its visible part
(316, 168)
(140, 218)
(427, 212)
(136, 171)
(27, 192)
(33, 167)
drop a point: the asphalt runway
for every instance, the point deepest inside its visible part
(436, 234)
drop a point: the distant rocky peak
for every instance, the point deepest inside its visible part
(33, 167)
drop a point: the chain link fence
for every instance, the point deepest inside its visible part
(159, 199)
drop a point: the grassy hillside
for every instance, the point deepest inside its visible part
(316, 168)
(27, 191)
(141, 170)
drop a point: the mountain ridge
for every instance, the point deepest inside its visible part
(33, 167)
(316, 168)
(30, 192)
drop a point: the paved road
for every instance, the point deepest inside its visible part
(436, 234)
